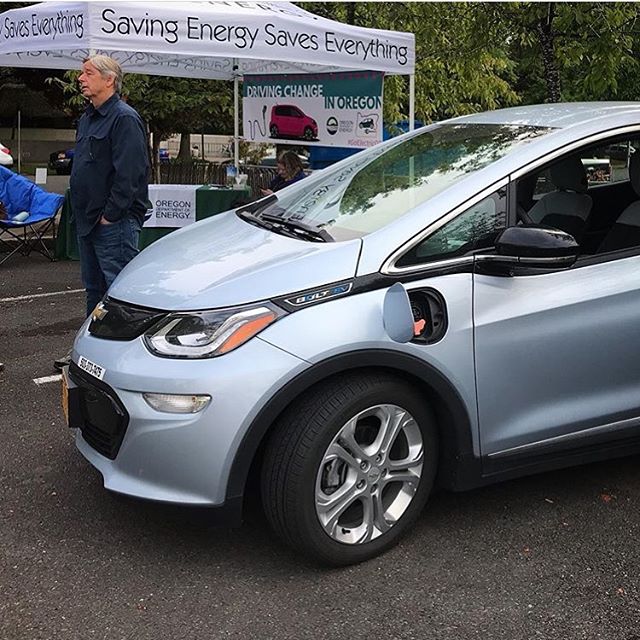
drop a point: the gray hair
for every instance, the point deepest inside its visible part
(108, 67)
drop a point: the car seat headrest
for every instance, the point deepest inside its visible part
(569, 175)
(634, 172)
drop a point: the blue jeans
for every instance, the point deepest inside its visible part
(103, 255)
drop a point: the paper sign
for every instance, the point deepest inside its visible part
(173, 205)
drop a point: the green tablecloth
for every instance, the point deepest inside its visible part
(66, 243)
(209, 201)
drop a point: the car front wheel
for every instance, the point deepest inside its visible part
(273, 130)
(349, 468)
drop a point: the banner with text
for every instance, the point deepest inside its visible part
(333, 109)
(198, 39)
(173, 205)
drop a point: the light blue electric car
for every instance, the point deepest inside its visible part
(458, 305)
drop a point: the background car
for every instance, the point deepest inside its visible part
(61, 161)
(619, 151)
(6, 159)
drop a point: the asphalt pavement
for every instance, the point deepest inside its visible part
(550, 556)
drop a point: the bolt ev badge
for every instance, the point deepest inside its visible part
(320, 294)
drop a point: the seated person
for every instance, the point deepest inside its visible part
(289, 170)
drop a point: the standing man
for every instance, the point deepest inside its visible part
(109, 180)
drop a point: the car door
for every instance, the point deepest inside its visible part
(296, 122)
(289, 121)
(557, 357)
(437, 273)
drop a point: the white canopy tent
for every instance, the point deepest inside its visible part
(215, 40)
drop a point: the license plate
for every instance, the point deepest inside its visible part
(65, 399)
(91, 367)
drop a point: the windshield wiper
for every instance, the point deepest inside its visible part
(253, 219)
(285, 228)
(299, 228)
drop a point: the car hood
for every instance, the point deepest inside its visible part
(225, 261)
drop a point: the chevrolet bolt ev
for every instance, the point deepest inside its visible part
(456, 306)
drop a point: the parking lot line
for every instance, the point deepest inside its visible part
(54, 378)
(41, 295)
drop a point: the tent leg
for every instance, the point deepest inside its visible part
(19, 141)
(412, 102)
(236, 124)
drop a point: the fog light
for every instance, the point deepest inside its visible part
(174, 403)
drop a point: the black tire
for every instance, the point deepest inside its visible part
(295, 465)
(308, 133)
(273, 130)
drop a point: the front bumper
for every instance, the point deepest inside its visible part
(177, 458)
(96, 410)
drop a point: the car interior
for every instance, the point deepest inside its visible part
(594, 195)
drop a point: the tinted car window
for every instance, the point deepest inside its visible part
(476, 228)
(385, 182)
(603, 165)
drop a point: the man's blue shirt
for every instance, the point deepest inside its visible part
(110, 169)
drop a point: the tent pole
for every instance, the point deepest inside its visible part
(412, 126)
(19, 141)
(236, 124)
(412, 102)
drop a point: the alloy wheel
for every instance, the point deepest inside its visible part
(369, 474)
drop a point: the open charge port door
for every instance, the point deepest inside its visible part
(429, 316)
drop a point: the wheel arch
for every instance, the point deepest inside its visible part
(458, 467)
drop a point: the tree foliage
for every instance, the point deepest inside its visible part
(167, 105)
(476, 56)
(470, 56)
(570, 50)
(460, 68)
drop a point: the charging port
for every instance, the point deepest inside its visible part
(429, 316)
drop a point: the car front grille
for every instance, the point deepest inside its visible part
(104, 418)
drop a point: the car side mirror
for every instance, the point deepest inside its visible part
(527, 247)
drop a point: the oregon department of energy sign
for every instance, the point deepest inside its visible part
(333, 109)
(172, 205)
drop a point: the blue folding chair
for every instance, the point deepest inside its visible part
(19, 194)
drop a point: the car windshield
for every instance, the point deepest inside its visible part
(385, 182)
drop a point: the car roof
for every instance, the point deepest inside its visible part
(558, 115)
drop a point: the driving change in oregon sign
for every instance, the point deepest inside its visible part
(333, 109)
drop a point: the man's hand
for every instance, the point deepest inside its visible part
(103, 220)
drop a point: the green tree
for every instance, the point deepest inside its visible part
(462, 61)
(167, 105)
(570, 51)
(474, 56)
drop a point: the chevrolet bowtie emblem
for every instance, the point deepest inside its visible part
(99, 312)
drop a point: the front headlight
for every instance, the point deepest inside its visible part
(207, 334)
